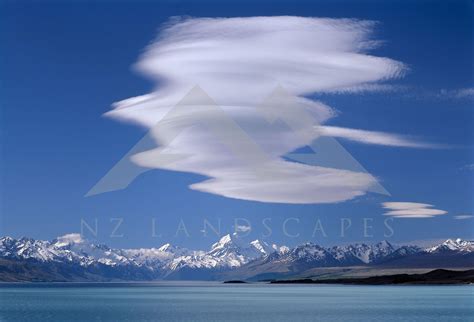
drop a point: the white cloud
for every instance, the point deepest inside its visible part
(469, 167)
(374, 137)
(70, 238)
(368, 88)
(463, 217)
(239, 62)
(242, 228)
(458, 93)
(231, 56)
(411, 210)
(465, 92)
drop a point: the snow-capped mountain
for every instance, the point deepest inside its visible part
(361, 253)
(154, 257)
(234, 252)
(69, 248)
(383, 255)
(168, 260)
(354, 254)
(450, 245)
(77, 259)
(228, 253)
(309, 253)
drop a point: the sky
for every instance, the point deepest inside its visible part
(82, 83)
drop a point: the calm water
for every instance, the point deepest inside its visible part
(218, 302)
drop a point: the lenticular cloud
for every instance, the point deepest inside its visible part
(231, 102)
(239, 61)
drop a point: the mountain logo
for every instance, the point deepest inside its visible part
(156, 150)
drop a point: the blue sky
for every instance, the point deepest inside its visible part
(63, 66)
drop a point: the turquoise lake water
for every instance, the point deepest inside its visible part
(219, 302)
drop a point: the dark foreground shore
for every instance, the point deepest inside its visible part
(438, 276)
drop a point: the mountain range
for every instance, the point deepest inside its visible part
(72, 258)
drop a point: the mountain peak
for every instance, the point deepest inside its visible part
(256, 243)
(166, 247)
(262, 247)
(384, 244)
(457, 241)
(224, 241)
(6, 239)
(457, 244)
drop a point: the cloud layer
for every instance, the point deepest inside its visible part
(463, 217)
(238, 65)
(239, 61)
(411, 210)
(460, 93)
(374, 137)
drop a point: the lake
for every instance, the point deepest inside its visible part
(201, 301)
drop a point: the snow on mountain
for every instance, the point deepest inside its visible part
(152, 257)
(380, 250)
(167, 248)
(6, 246)
(262, 247)
(281, 249)
(351, 254)
(94, 252)
(68, 248)
(231, 246)
(406, 250)
(356, 253)
(308, 253)
(156, 258)
(451, 245)
(229, 252)
(27, 248)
